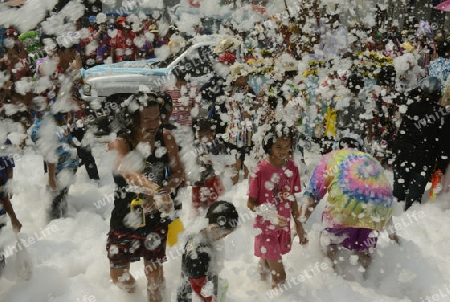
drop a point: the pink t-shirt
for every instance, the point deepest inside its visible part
(273, 185)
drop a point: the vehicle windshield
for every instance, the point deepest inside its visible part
(166, 62)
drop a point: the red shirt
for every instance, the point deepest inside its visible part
(124, 47)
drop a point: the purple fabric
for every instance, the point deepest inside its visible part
(354, 239)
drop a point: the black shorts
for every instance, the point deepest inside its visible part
(123, 248)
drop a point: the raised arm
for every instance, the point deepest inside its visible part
(176, 167)
(132, 177)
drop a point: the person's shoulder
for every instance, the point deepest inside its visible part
(263, 165)
(119, 144)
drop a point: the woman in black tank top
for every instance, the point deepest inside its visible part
(142, 201)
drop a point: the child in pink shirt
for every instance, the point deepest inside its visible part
(271, 195)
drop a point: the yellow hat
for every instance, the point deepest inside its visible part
(408, 46)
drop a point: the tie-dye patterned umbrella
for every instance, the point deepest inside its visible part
(359, 194)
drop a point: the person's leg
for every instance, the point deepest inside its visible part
(417, 183)
(236, 171)
(153, 257)
(85, 154)
(267, 247)
(332, 254)
(245, 152)
(123, 279)
(365, 243)
(263, 269)
(155, 281)
(277, 271)
(401, 181)
(2, 254)
(2, 261)
(117, 249)
(184, 292)
(58, 207)
(365, 259)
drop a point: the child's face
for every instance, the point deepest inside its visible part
(218, 233)
(281, 148)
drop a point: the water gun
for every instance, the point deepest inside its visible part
(435, 184)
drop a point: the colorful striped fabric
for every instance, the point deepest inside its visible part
(359, 194)
(184, 99)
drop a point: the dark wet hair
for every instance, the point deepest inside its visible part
(165, 103)
(223, 214)
(146, 100)
(351, 141)
(279, 130)
(127, 120)
(203, 124)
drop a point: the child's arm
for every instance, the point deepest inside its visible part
(307, 208)
(252, 203)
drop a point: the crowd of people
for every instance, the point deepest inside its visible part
(371, 99)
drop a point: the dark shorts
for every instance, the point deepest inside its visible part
(123, 248)
(355, 239)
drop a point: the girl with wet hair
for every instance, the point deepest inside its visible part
(272, 189)
(143, 208)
